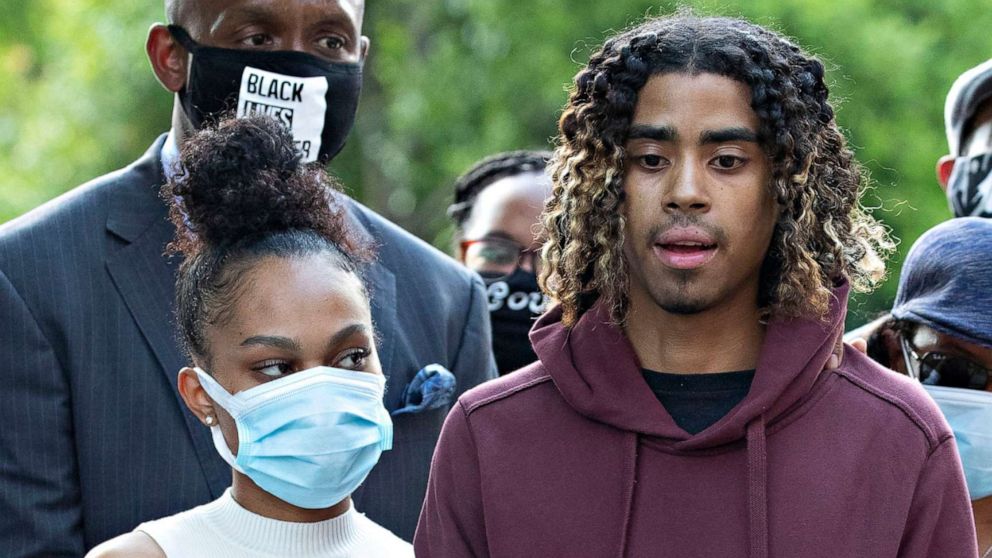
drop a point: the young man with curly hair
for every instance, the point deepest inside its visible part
(704, 231)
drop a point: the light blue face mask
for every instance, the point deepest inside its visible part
(310, 438)
(969, 412)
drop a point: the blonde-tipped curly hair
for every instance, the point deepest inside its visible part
(823, 234)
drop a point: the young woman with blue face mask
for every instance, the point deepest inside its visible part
(276, 320)
(941, 334)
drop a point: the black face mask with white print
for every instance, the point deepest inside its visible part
(515, 302)
(969, 189)
(314, 98)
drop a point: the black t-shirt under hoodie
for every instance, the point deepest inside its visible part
(697, 401)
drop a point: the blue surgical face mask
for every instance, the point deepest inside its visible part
(969, 413)
(310, 438)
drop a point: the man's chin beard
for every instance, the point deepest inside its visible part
(678, 302)
(683, 307)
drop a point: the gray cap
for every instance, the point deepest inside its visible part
(969, 91)
(946, 280)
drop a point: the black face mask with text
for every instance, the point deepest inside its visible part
(515, 302)
(969, 188)
(314, 98)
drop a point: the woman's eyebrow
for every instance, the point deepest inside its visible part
(347, 332)
(284, 343)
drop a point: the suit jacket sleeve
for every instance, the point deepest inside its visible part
(39, 493)
(940, 521)
(474, 362)
(451, 521)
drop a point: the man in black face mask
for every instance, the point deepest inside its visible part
(498, 203)
(966, 172)
(305, 73)
(88, 353)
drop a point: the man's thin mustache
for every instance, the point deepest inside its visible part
(682, 220)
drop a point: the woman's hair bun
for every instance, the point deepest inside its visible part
(243, 178)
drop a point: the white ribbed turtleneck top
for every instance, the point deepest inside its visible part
(224, 528)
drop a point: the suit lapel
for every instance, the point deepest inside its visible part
(145, 280)
(382, 286)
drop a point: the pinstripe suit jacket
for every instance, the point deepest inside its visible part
(94, 438)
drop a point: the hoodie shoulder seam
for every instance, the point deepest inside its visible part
(943, 440)
(933, 438)
(506, 393)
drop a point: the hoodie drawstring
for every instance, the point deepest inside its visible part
(629, 472)
(757, 487)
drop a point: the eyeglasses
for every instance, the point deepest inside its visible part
(495, 257)
(941, 369)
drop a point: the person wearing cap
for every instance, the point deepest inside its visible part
(942, 328)
(964, 173)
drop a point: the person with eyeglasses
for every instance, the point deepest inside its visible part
(940, 333)
(964, 173)
(498, 204)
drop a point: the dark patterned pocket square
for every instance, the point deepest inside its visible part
(433, 387)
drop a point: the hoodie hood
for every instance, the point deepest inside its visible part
(851, 462)
(597, 372)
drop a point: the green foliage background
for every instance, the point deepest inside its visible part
(449, 81)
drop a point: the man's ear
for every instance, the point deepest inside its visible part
(168, 58)
(364, 48)
(196, 397)
(944, 167)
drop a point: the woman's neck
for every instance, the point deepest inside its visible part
(252, 498)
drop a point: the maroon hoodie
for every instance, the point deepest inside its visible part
(574, 456)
